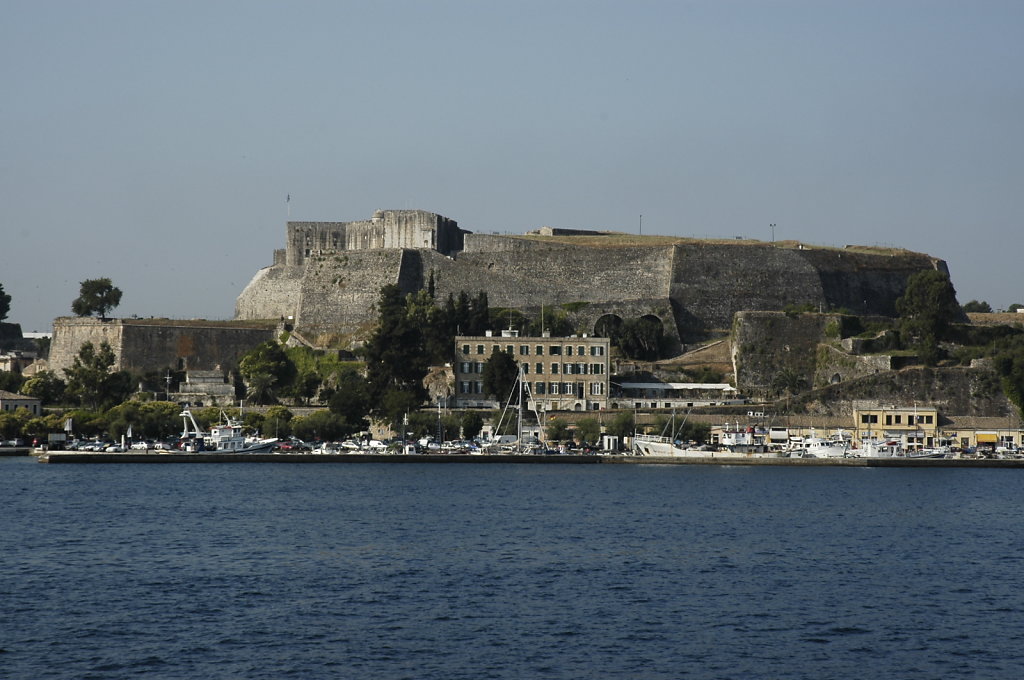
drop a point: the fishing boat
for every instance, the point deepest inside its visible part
(225, 437)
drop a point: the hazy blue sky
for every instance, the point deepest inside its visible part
(155, 142)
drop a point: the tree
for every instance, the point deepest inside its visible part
(472, 424)
(556, 430)
(622, 425)
(5, 303)
(641, 338)
(96, 296)
(927, 308)
(1009, 365)
(975, 306)
(266, 369)
(45, 386)
(350, 401)
(91, 381)
(500, 374)
(588, 431)
(1014, 307)
(396, 357)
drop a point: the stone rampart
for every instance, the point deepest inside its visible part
(142, 345)
(694, 287)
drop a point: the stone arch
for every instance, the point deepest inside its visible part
(836, 379)
(655, 318)
(607, 325)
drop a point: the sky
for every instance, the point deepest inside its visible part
(156, 142)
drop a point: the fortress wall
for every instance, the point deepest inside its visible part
(141, 345)
(339, 292)
(765, 343)
(866, 283)
(71, 332)
(711, 282)
(273, 293)
(530, 272)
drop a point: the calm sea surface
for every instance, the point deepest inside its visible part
(504, 571)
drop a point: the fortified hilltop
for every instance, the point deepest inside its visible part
(329, 275)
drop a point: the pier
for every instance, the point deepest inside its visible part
(67, 457)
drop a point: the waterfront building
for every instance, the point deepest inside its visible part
(9, 401)
(660, 395)
(559, 373)
(915, 427)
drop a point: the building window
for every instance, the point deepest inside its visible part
(539, 387)
(898, 420)
(888, 419)
(581, 351)
(510, 350)
(568, 350)
(539, 368)
(553, 388)
(540, 350)
(524, 350)
(555, 350)
(465, 349)
(554, 369)
(526, 367)
(479, 349)
(478, 367)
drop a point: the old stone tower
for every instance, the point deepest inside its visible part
(328, 277)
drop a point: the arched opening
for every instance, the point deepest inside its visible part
(836, 379)
(608, 326)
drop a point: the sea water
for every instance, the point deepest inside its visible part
(509, 571)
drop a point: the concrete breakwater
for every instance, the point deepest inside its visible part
(192, 458)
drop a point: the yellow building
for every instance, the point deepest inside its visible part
(559, 374)
(913, 426)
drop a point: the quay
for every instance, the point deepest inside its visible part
(212, 457)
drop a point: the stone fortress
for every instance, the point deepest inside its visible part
(328, 278)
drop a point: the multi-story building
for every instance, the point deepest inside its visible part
(913, 426)
(559, 374)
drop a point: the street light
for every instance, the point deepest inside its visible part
(773, 232)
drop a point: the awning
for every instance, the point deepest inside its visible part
(987, 437)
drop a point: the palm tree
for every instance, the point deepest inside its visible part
(261, 388)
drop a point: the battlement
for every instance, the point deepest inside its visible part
(386, 229)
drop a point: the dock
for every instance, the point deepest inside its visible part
(68, 457)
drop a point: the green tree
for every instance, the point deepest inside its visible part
(926, 310)
(641, 338)
(556, 430)
(396, 358)
(267, 370)
(5, 303)
(1009, 365)
(96, 296)
(499, 375)
(90, 380)
(277, 422)
(11, 381)
(1014, 307)
(350, 400)
(588, 431)
(323, 425)
(975, 306)
(45, 386)
(622, 425)
(472, 424)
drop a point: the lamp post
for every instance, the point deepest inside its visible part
(773, 232)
